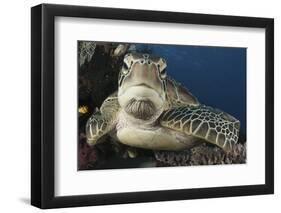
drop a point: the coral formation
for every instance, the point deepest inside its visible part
(202, 155)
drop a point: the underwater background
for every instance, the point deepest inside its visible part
(216, 76)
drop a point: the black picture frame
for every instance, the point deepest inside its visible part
(42, 105)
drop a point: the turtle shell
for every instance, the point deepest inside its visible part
(178, 95)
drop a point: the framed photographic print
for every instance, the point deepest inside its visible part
(139, 106)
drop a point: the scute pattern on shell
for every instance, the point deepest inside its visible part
(178, 95)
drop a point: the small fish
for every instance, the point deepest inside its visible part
(83, 109)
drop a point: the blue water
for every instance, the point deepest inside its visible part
(215, 75)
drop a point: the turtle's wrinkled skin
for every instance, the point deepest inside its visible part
(152, 111)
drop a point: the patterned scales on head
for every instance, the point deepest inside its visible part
(152, 111)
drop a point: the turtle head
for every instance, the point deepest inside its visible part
(142, 85)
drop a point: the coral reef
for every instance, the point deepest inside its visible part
(99, 65)
(87, 156)
(202, 155)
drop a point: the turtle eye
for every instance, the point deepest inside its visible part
(163, 73)
(125, 68)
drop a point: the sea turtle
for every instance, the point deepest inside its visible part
(152, 111)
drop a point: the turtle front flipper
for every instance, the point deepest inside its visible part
(212, 125)
(96, 127)
(102, 121)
